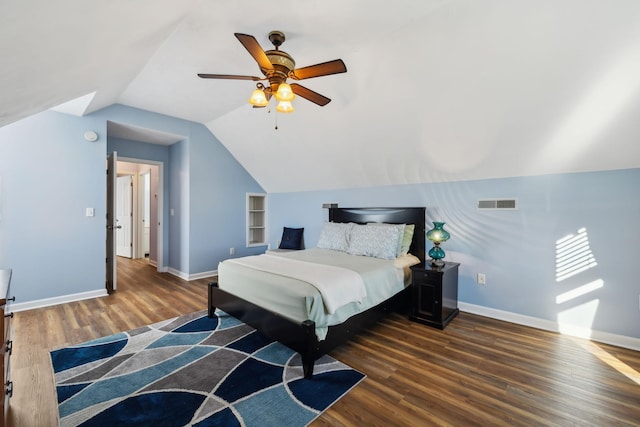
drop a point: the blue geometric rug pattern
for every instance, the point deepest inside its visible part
(193, 371)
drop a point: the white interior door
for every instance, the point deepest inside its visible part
(124, 217)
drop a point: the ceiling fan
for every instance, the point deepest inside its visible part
(277, 66)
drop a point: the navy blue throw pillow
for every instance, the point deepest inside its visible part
(291, 238)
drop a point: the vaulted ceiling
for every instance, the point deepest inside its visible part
(436, 90)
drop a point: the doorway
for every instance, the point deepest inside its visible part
(138, 204)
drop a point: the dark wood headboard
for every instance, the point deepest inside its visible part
(414, 216)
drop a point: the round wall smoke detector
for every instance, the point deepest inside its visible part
(90, 136)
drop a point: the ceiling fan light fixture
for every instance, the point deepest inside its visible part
(277, 66)
(284, 107)
(258, 98)
(284, 92)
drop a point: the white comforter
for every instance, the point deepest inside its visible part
(298, 300)
(338, 286)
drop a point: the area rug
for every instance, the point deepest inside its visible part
(193, 371)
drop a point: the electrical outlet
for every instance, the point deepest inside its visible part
(481, 279)
(232, 251)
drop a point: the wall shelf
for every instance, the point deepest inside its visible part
(256, 219)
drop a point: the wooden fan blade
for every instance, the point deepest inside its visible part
(310, 95)
(229, 77)
(254, 48)
(326, 68)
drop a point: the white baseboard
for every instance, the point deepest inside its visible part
(185, 276)
(548, 325)
(178, 273)
(47, 302)
(203, 275)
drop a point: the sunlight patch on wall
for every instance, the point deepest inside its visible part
(573, 255)
(577, 321)
(579, 291)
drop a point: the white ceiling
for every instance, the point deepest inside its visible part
(436, 90)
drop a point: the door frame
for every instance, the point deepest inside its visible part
(160, 266)
(111, 276)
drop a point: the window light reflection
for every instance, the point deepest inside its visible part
(573, 255)
(577, 292)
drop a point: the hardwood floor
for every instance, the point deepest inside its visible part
(142, 297)
(478, 371)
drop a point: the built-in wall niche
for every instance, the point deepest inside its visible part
(256, 219)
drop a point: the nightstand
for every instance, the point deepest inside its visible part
(434, 294)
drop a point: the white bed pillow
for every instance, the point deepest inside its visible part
(335, 236)
(378, 242)
(407, 238)
(406, 260)
(401, 229)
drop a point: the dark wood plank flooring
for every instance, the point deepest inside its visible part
(478, 371)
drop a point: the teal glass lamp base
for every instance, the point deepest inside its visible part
(437, 254)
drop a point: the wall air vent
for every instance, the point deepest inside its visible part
(497, 204)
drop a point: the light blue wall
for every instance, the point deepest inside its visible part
(49, 175)
(218, 220)
(139, 150)
(517, 249)
(179, 209)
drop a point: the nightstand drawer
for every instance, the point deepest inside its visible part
(421, 276)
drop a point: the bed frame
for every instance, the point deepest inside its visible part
(301, 337)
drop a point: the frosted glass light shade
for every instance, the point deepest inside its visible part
(438, 234)
(284, 92)
(258, 98)
(284, 107)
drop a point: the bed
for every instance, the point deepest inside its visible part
(308, 333)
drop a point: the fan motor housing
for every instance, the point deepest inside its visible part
(281, 58)
(283, 65)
